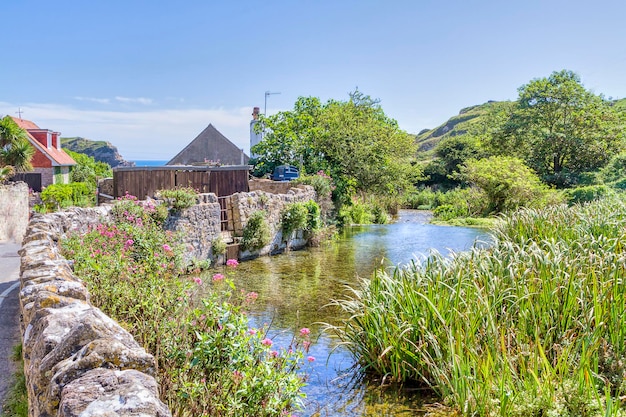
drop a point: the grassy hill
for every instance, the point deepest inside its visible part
(456, 125)
(100, 150)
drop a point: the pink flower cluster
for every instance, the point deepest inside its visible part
(232, 263)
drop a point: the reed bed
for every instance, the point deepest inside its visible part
(534, 325)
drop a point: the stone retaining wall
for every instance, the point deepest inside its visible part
(15, 211)
(244, 204)
(77, 360)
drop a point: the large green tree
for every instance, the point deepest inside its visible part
(560, 129)
(354, 141)
(16, 151)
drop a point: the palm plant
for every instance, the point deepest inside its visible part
(16, 151)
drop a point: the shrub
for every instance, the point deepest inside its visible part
(218, 246)
(179, 198)
(294, 217)
(256, 233)
(60, 196)
(586, 194)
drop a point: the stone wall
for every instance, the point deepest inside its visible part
(244, 204)
(269, 186)
(77, 360)
(199, 225)
(15, 211)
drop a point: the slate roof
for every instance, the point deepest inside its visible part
(210, 145)
(57, 156)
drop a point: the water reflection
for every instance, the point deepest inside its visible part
(295, 289)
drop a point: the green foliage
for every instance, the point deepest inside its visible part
(15, 149)
(615, 170)
(560, 129)
(15, 403)
(506, 182)
(179, 199)
(532, 326)
(209, 361)
(353, 141)
(586, 194)
(87, 169)
(363, 212)
(60, 196)
(256, 233)
(323, 186)
(294, 216)
(218, 246)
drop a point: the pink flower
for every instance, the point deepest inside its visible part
(310, 358)
(166, 248)
(218, 277)
(251, 296)
(197, 280)
(232, 262)
(252, 332)
(274, 353)
(306, 345)
(305, 331)
(238, 375)
(266, 342)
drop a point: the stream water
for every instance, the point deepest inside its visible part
(295, 288)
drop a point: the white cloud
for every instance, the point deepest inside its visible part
(140, 100)
(151, 134)
(94, 99)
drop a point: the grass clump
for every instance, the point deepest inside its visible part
(16, 401)
(209, 362)
(179, 199)
(533, 326)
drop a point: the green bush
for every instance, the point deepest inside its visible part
(218, 246)
(256, 233)
(313, 219)
(179, 198)
(60, 196)
(586, 194)
(294, 216)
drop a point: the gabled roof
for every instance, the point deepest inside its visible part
(210, 145)
(57, 156)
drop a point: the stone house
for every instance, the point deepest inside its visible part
(210, 147)
(50, 161)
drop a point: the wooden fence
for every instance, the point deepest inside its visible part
(145, 181)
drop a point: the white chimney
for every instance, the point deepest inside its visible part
(254, 137)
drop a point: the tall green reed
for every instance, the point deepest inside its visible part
(533, 325)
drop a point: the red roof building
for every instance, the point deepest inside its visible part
(49, 160)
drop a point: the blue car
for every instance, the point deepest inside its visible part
(285, 173)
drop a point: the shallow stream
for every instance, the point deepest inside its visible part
(295, 289)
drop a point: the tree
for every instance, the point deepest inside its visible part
(507, 182)
(560, 129)
(15, 148)
(362, 149)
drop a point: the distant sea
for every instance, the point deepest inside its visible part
(149, 163)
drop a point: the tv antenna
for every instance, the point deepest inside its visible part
(267, 94)
(19, 112)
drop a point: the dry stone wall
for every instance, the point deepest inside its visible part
(77, 360)
(199, 225)
(15, 211)
(244, 204)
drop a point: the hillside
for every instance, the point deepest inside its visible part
(100, 150)
(456, 125)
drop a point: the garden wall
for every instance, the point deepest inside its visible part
(15, 211)
(77, 360)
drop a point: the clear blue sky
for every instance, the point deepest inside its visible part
(149, 75)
